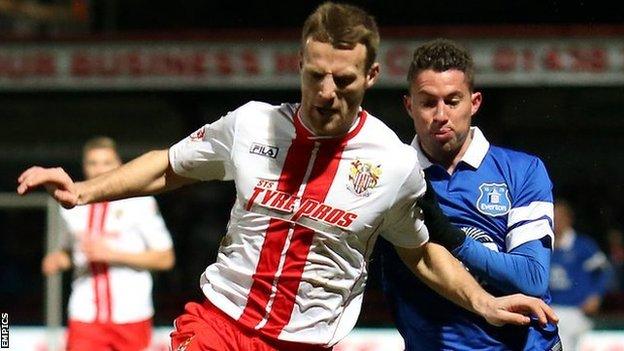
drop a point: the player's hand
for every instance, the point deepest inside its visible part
(518, 309)
(56, 182)
(591, 305)
(55, 262)
(97, 250)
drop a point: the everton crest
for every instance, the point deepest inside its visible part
(363, 177)
(494, 199)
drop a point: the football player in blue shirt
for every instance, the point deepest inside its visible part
(499, 198)
(579, 274)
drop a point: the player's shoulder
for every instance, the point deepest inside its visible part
(518, 162)
(375, 131)
(259, 108)
(512, 155)
(256, 115)
(377, 134)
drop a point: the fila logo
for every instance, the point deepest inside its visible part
(264, 150)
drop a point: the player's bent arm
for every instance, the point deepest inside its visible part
(525, 269)
(437, 268)
(441, 272)
(153, 260)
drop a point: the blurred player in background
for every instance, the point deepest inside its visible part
(579, 276)
(615, 244)
(501, 199)
(112, 246)
(316, 183)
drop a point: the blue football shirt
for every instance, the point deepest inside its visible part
(499, 197)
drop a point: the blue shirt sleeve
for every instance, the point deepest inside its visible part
(596, 264)
(522, 270)
(531, 215)
(603, 278)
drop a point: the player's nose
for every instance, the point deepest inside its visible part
(440, 113)
(328, 88)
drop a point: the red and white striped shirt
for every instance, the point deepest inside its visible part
(113, 294)
(293, 264)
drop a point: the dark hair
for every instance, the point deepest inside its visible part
(343, 26)
(442, 55)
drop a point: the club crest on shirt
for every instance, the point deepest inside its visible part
(363, 177)
(494, 199)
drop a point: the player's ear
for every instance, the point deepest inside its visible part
(300, 59)
(407, 103)
(475, 101)
(372, 75)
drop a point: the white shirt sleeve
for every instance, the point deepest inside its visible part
(193, 156)
(152, 226)
(405, 221)
(65, 240)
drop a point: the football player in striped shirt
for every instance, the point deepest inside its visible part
(317, 182)
(111, 246)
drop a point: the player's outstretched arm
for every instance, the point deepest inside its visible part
(437, 268)
(145, 175)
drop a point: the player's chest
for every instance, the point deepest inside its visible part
(478, 204)
(329, 187)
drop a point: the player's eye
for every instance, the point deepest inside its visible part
(429, 103)
(453, 102)
(343, 82)
(316, 76)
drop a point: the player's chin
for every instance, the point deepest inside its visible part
(324, 116)
(330, 126)
(449, 145)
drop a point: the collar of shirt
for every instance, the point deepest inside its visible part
(475, 154)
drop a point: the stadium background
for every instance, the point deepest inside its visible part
(572, 118)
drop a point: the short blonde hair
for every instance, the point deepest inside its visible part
(343, 26)
(99, 142)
